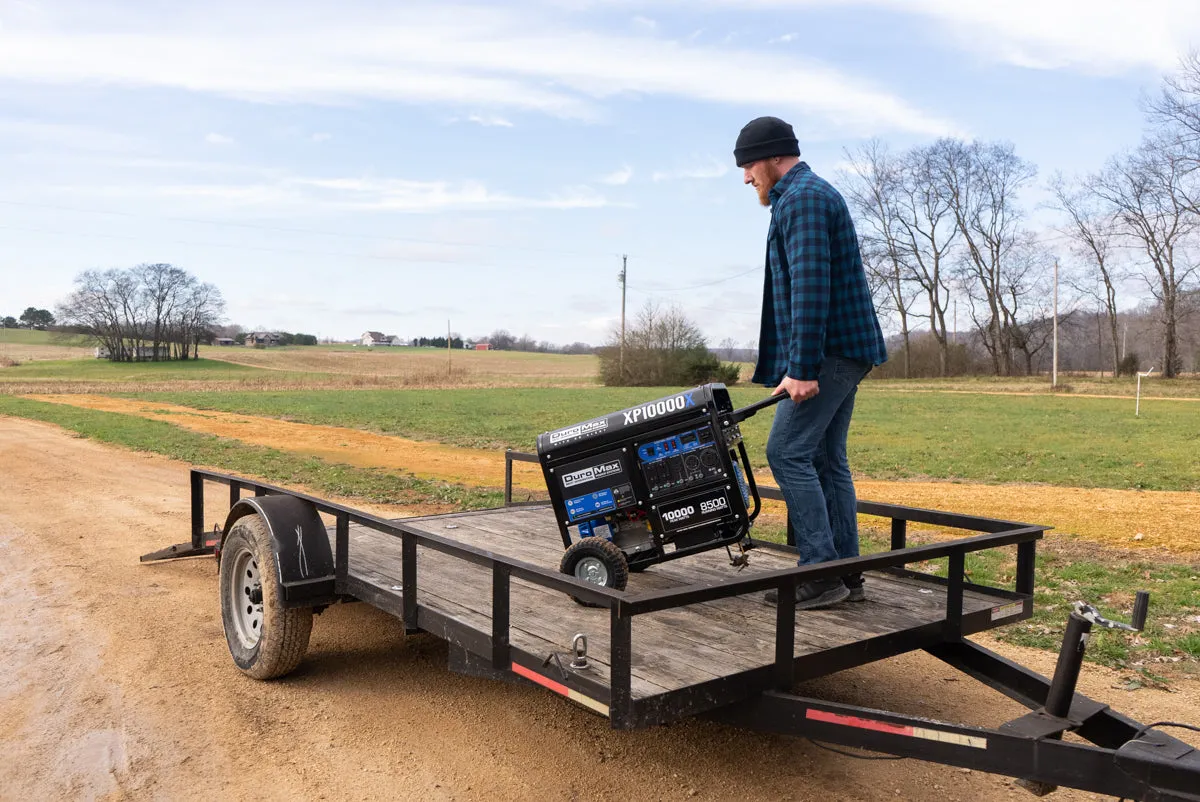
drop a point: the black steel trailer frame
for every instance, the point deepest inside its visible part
(1124, 758)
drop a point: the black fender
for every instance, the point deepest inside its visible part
(303, 556)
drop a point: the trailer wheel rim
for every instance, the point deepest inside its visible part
(592, 569)
(245, 598)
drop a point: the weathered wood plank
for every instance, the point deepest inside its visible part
(672, 648)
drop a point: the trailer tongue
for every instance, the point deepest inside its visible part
(489, 583)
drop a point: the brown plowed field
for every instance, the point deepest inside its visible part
(1168, 521)
(115, 683)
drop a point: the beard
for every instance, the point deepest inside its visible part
(764, 192)
(765, 186)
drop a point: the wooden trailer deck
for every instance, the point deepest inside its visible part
(700, 644)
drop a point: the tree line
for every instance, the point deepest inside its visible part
(31, 318)
(150, 312)
(945, 221)
(502, 340)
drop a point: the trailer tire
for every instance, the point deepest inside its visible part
(596, 560)
(266, 639)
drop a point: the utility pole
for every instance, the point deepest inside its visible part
(621, 360)
(449, 352)
(955, 339)
(1054, 374)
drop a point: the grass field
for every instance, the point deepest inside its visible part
(1187, 386)
(28, 345)
(1073, 442)
(422, 366)
(279, 466)
(92, 370)
(34, 362)
(37, 337)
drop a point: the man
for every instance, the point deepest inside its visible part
(819, 337)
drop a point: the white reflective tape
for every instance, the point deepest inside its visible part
(950, 737)
(1007, 610)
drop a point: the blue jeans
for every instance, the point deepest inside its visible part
(807, 455)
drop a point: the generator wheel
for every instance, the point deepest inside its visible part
(266, 639)
(596, 560)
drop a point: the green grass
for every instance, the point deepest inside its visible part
(140, 434)
(36, 337)
(103, 370)
(1058, 440)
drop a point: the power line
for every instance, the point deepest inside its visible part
(701, 285)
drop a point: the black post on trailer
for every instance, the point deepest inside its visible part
(198, 546)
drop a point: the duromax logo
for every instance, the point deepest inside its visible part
(578, 430)
(591, 473)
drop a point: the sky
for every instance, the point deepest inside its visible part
(335, 168)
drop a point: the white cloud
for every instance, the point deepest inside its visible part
(490, 120)
(618, 177)
(65, 135)
(380, 194)
(708, 167)
(644, 24)
(782, 40)
(484, 57)
(218, 139)
(1103, 36)
(321, 136)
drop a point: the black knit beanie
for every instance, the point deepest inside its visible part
(765, 137)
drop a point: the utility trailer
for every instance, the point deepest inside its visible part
(690, 637)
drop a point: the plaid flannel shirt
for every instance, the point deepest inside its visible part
(816, 302)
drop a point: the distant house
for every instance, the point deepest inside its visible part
(395, 340)
(483, 347)
(373, 338)
(262, 339)
(223, 341)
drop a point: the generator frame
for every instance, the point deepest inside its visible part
(1123, 757)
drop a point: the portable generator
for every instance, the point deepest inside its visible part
(652, 483)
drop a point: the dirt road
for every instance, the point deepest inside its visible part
(115, 682)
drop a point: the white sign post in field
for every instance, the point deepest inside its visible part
(1137, 406)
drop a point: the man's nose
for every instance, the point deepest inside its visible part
(746, 177)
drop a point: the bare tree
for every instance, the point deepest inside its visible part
(1176, 111)
(1093, 232)
(119, 309)
(195, 317)
(1144, 191)
(926, 219)
(871, 189)
(165, 287)
(980, 182)
(662, 347)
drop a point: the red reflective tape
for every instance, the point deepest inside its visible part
(545, 682)
(860, 723)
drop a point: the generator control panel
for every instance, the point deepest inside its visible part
(671, 473)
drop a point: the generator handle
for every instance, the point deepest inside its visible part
(740, 415)
(750, 481)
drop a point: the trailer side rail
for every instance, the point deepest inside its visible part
(1127, 757)
(623, 607)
